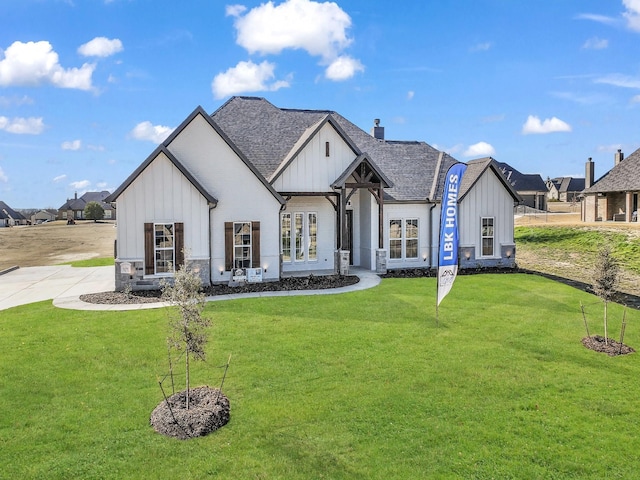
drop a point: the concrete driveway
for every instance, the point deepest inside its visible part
(33, 284)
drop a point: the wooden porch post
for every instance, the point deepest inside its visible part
(380, 217)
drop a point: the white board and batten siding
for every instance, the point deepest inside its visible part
(404, 211)
(242, 196)
(487, 198)
(326, 233)
(311, 170)
(161, 194)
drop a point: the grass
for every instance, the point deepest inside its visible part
(356, 386)
(92, 262)
(625, 244)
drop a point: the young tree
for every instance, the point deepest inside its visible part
(605, 280)
(187, 326)
(93, 211)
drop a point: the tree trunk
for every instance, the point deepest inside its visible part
(606, 340)
(187, 376)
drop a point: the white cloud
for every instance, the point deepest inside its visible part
(153, 133)
(320, 29)
(596, 43)
(15, 100)
(410, 94)
(29, 126)
(480, 149)
(619, 80)
(549, 125)
(96, 148)
(635, 99)
(79, 185)
(100, 47)
(597, 18)
(101, 185)
(73, 145)
(3, 176)
(35, 63)
(609, 148)
(632, 14)
(59, 178)
(343, 68)
(481, 47)
(235, 10)
(246, 77)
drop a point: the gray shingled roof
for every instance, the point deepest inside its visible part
(622, 178)
(522, 182)
(6, 211)
(266, 134)
(476, 168)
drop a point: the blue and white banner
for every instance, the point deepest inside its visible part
(448, 249)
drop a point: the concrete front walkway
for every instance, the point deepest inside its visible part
(34, 284)
(64, 284)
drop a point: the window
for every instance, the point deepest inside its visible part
(285, 237)
(312, 236)
(327, 149)
(242, 245)
(163, 247)
(107, 214)
(164, 243)
(487, 236)
(299, 218)
(299, 234)
(403, 239)
(411, 238)
(395, 239)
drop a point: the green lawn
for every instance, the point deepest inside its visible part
(92, 262)
(355, 386)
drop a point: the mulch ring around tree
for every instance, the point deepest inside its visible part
(208, 411)
(611, 348)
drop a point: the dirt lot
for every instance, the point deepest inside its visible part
(576, 267)
(54, 243)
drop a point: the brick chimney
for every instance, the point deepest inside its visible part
(588, 173)
(618, 157)
(377, 131)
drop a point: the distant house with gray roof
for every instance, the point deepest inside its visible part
(530, 186)
(565, 189)
(614, 196)
(73, 208)
(10, 217)
(257, 191)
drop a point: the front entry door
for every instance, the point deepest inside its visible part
(349, 245)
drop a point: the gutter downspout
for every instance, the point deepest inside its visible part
(211, 207)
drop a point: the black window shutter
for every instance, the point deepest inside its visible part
(179, 244)
(149, 261)
(228, 246)
(255, 244)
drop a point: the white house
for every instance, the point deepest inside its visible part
(254, 186)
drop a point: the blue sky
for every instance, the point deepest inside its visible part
(88, 88)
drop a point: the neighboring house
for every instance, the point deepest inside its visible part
(74, 208)
(530, 187)
(614, 196)
(565, 189)
(276, 191)
(10, 217)
(47, 215)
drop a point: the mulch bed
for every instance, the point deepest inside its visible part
(611, 348)
(208, 411)
(310, 282)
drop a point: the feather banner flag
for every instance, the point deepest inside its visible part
(448, 248)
